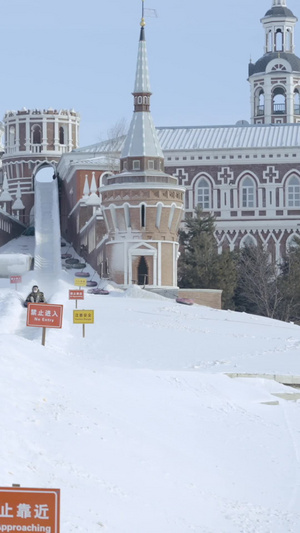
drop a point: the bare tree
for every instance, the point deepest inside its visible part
(113, 143)
(258, 288)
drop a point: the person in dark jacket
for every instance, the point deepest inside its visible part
(36, 296)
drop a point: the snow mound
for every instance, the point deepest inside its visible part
(134, 291)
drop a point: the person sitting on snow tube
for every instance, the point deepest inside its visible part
(36, 296)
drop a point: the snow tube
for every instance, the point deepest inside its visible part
(72, 261)
(97, 291)
(66, 256)
(82, 274)
(90, 283)
(79, 265)
(184, 301)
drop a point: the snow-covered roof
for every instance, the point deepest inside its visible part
(142, 139)
(214, 138)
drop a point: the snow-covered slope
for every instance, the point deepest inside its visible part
(138, 423)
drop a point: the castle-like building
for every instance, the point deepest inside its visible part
(122, 200)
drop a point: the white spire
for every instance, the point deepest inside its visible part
(279, 3)
(5, 195)
(18, 204)
(93, 198)
(86, 188)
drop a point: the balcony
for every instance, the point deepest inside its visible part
(36, 148)
(260, 110)
(279, 109)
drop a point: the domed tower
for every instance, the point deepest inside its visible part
(142, 205)
(275, 77)
(31, 137)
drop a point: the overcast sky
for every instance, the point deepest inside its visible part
(82, 55)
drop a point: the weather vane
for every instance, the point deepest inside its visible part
(147, 13)
(143, 14)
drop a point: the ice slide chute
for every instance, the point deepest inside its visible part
(47, 256)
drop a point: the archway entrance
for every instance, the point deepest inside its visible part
(143, 272)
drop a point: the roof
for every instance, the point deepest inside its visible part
(261, 64)
(279, 11)
(142, 80)
(215, 138)
(142, 139)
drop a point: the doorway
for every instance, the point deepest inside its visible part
(143, 272)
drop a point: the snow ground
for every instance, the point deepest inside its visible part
(138, 423)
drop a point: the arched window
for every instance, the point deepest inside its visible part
(36, 134)
(127, 216)
(248, 240)
(203, 194)
(61, 135)
(269, 42)
(259, 102)
(158, 215)
(248, 193)
(171, 216)
(278, 41)
(279, 101)
(12, 136)
(293, 192)
(292, 242)
(296, 102)
(143, 272)
(288, 41)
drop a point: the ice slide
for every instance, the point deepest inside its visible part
(47, 256)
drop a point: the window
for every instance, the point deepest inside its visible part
(278, 41)
(136, 165)
(36, 134)
(248, 190)
(279, 101)
(127, 216)
(248, 240)
(151, 164)
(293, 192)
(61, 135)
(143, 215)
(203, 194)
(296, 102)
(158, 215)
(259, 102)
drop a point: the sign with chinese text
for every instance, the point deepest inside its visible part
(16, 279)
(44, 315)
(76, 295)
(83, 317)
(23, 509)
(80, 282)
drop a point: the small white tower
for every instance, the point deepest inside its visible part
(275, 77)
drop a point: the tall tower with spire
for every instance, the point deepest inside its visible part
(275, 77)
(142, 205)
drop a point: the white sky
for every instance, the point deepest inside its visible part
(82, 55)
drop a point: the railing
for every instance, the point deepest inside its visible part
(36, 148)
(279, 109)
(260, 110)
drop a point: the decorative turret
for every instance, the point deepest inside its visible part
(275, 77)
(31, 137)
(142, 205)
